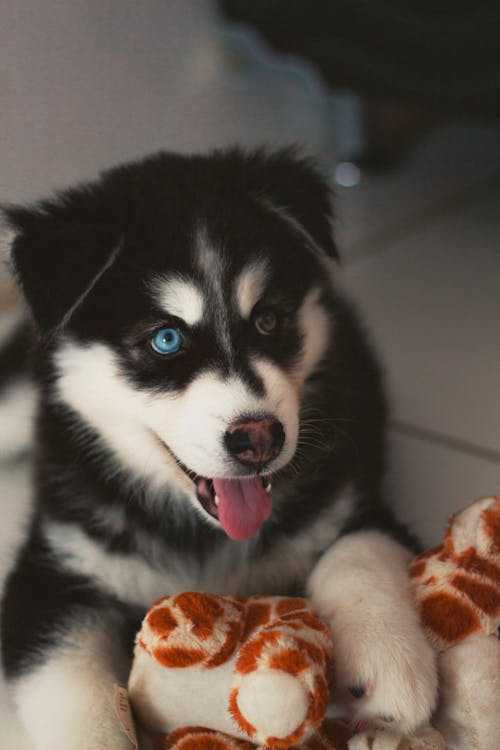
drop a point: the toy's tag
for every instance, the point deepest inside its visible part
(124, 713)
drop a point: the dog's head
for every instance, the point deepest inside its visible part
(185, 304)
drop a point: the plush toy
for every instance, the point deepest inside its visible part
(255, 668)
(457, 589)
(226, 673)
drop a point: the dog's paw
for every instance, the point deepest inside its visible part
(384, 667)
(375, 740)
(385, 671)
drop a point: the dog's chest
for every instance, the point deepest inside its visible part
(230, 569)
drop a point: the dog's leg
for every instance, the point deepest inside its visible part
(384, 666)
(66, 702)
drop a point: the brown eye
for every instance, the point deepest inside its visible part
(266, 322)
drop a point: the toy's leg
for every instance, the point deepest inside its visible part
(280, 691)
(200, 738)
(384, 667)
(331, 735)
(469, 710)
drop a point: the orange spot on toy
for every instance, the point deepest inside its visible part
(258, 613)
(233, 637)
(178, 657)
(491, 518)
(291, 604)
(289, 660)
(248, 659)
(447, 617)
(472, 562)
(319, 700)
(162, 621)
(235, 712)
(202, 610)
(418, 568)
(484, 596)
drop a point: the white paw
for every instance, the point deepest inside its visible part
(384, 670)
(426, 739)
(384, 667)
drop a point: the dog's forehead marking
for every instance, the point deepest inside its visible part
(181, 297)
(213, 271)
(250, 285)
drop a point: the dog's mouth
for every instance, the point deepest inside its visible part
(240, 505)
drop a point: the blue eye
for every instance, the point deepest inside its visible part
(167, 341)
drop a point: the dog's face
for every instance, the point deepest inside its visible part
(187, 303)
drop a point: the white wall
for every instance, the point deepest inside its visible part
(85, 84)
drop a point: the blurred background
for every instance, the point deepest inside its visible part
(400, 102)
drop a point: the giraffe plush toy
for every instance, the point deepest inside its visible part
(228, 673)
(457, 590)
(255, 668)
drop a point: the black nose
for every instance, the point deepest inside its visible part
(255, 441)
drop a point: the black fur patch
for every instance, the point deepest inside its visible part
(39, 598)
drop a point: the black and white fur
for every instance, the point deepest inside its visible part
(205, 242)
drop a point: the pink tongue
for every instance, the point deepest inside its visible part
(243, 507)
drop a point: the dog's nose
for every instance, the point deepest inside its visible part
(255, 441)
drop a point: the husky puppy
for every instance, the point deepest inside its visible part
(210, 417)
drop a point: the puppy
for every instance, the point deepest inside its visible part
(210, 417)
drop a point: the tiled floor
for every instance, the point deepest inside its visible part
(428, 286)
(421, 245)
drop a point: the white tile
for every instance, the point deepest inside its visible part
(426, 483)
(432, 303)
(447, 161)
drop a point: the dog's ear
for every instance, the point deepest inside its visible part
(59, 250)
(294, 185)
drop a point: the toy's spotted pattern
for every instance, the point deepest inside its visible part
(191, 628)
(462, 595)
(200, 738)
(293, 640)
(333, 734)
(272, 633)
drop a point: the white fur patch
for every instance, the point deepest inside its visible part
(17, 412)
(361, 587)
(67, 703)
(191, 423)
(7, 237)
(194, 423)
(133, 580)
(180, 297)
(315, 325)
(128, 577)
(250, 285)
(89, 381)
(15, 512)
